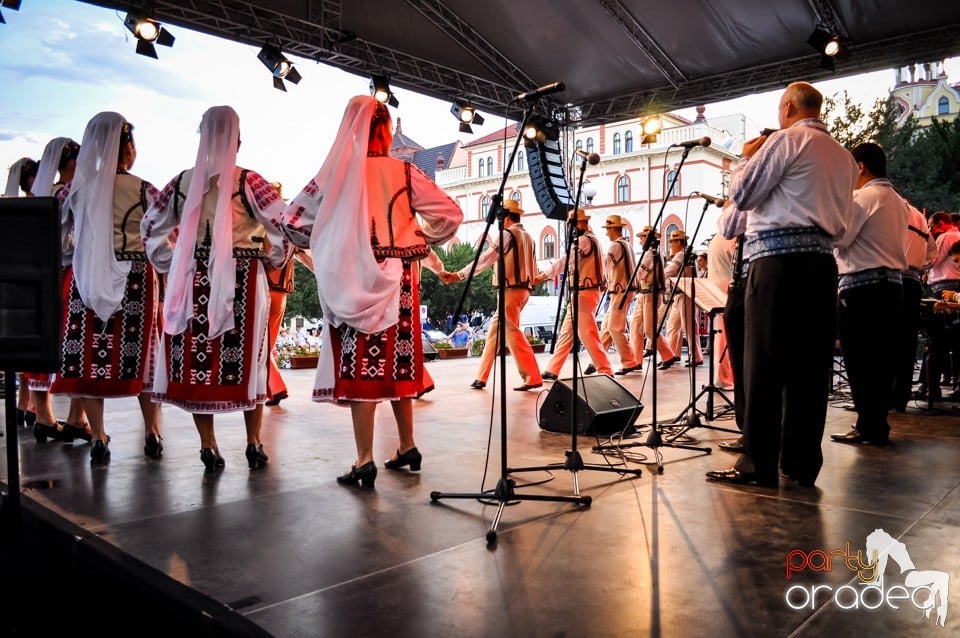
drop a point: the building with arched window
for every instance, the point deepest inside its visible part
(924, 92)
(629, 181)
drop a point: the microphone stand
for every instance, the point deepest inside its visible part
(574, 462)
(504, 492)
(690, 416)
(655, 439)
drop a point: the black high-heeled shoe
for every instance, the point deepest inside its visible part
(152, 447)
(411, 457)
(256, 457)
(21, 417)
(212, 460)
(70, 432)
(42, 432)
(29, 418)
(99, 453)
(365, 475)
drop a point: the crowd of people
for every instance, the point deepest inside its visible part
(177, 295)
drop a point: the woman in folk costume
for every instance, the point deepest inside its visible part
(21, 176)
(358, 212)
(59, 160)
(109, 339)
(214, 355)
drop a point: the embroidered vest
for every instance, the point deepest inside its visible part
(623, 267)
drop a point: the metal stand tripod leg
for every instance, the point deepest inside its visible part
(504, 491)
(691, 413)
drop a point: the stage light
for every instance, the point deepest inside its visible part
(380, 89)
(824, 41)
(650, 127)
(147, 31)
(278, 65)
(534, 131)
(467, 115)
(9, 4)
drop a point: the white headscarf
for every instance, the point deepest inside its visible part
(354, 289)
(216, 155)
(101, 279)
(49, 167)
(13, 178)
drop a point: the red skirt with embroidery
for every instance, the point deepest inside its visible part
(41, 381)
(113, 358)
(385, 365)
(226, 373)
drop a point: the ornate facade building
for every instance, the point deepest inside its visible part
(924, 92)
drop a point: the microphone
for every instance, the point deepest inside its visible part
(716, 201)
(536, 94)
(592, 158)
(703, 141)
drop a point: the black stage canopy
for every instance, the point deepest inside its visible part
(617, 58)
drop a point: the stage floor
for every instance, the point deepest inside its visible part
(660, 555)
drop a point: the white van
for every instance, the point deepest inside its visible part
(537, 317)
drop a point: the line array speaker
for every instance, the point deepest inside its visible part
(546, 171)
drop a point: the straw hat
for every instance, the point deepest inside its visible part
(582, 216)
(512, 206)
(646, 231)
(678, 235)
(613, 221)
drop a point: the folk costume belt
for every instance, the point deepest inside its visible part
(788, 241)
(870, 277)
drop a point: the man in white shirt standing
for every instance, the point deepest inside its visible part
(795, 187)
(870, 263)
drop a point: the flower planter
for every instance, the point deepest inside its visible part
(539, 347)
(452, 353)
(304, 361)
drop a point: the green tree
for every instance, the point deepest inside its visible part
(441, 300)
(923, 163)
(304, 300)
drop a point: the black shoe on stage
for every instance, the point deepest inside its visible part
(528, 386)
(152, 447)
(99, 453)
(68, 433)
(590, 369)
(666, 365)
(29, 418)
(478, 384)
(549, 376)
(277, 398)
(411, 457)
(212, 461)
(256, 457)
(735, 445)
(736, 477)
(365, 475)
(854, 436)
(42, 432)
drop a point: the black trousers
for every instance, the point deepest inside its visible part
(790, 325)
(733, 327)
(906, 357)
(868, 339)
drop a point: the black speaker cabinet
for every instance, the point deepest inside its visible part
(603, 406)
(545, 165)
(30, 302)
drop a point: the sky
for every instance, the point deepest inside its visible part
(63, 61)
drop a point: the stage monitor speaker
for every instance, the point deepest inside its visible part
(545, 163)
(603, 406)
(30, 318)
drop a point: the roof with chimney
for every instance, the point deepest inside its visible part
(431, 160)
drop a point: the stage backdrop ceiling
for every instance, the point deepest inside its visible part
(617, 58)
